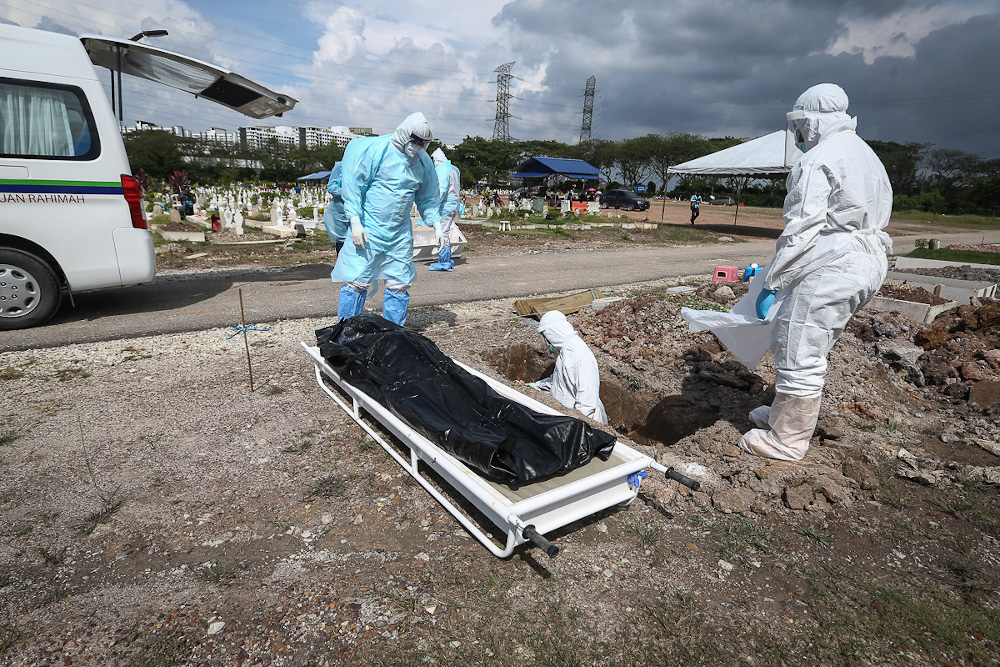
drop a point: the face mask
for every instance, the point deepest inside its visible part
(552, 348)
(412, 149)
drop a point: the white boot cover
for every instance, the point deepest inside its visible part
(792, 420)
(760, 415)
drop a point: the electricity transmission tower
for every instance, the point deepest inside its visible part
(501, 128)
(588, 108)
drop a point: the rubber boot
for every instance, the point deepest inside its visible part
(395, 303)
(351, 303)
(792, 420)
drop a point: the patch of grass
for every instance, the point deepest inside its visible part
(8, 635)
(8, 373)
(220, 573)
(274, 390)
(937, 624)
(67, 374)
(57, 594)
(169, 649)
(9, 437)
(648, 535)
(5, 579)
(948, 221)
(328, 487)
(822, 539)
(495, 584)
(737, 534)
(964, 256)
(101, 515)
(52, 556)
(297, 449)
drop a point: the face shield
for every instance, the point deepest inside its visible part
(795, 134)
(414, 145)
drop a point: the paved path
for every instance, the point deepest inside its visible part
(192, 302)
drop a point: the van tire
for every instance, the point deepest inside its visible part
(22, 273)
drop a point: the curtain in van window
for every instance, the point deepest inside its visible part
(35, 121)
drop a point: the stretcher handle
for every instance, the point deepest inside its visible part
(529, 533)
(683, 479)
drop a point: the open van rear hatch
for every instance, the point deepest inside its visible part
(187, 74)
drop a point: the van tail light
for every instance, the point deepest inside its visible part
(133, 195)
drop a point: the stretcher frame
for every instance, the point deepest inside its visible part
(524, 514)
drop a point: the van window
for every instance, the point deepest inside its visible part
(47, 121)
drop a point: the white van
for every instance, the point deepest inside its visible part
(71, 214)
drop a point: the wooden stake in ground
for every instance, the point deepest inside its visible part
(243, 321)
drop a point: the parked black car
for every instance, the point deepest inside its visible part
(624, 199)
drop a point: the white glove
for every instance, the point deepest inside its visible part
(358, 235)
(533, 385)
(438, 236)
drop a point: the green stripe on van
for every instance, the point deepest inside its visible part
(35, 181)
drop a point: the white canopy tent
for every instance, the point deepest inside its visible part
(769, 156)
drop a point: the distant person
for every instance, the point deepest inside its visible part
(334, 219)
(187, 202)
(449, 182)
(576, 381)
(696, 200)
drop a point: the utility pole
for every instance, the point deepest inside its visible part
(501, 128)
(588, 108)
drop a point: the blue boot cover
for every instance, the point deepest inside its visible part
(444, 262)
(351, 303)
(394, 306)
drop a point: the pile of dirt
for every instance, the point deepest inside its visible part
(962, 350)
(913, 293)
(964, 272)
(988, 247)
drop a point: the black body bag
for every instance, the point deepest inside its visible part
(501, 439)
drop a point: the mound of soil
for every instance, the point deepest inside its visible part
(911, 293)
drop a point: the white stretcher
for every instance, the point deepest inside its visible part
(524, 514)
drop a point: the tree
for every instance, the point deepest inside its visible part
(154, 151)
(901, 162)
(633, 160)
(667, 150)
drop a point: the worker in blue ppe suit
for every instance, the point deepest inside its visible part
(449, 184)
(337, 226)
(382, 178)
(576, 381)
(830, 260)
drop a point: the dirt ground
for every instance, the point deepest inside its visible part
(155, 511)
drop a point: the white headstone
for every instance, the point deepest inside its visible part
(238, 223)
(227, 218)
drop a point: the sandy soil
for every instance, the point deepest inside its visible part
(155, 511)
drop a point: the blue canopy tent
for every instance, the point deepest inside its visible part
(318, 176)
(541, 167)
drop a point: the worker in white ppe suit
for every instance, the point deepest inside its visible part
(575, 382)
(449, 184)
(382, 178)
(830, 260)
(337, 226)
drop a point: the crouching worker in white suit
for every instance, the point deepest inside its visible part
(829, 262)
(576, 382)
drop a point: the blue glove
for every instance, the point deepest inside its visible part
(764, 301)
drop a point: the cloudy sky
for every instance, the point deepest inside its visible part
(915, 70)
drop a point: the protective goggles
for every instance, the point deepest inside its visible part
(417, 140)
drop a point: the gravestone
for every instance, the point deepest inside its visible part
(238, 223)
